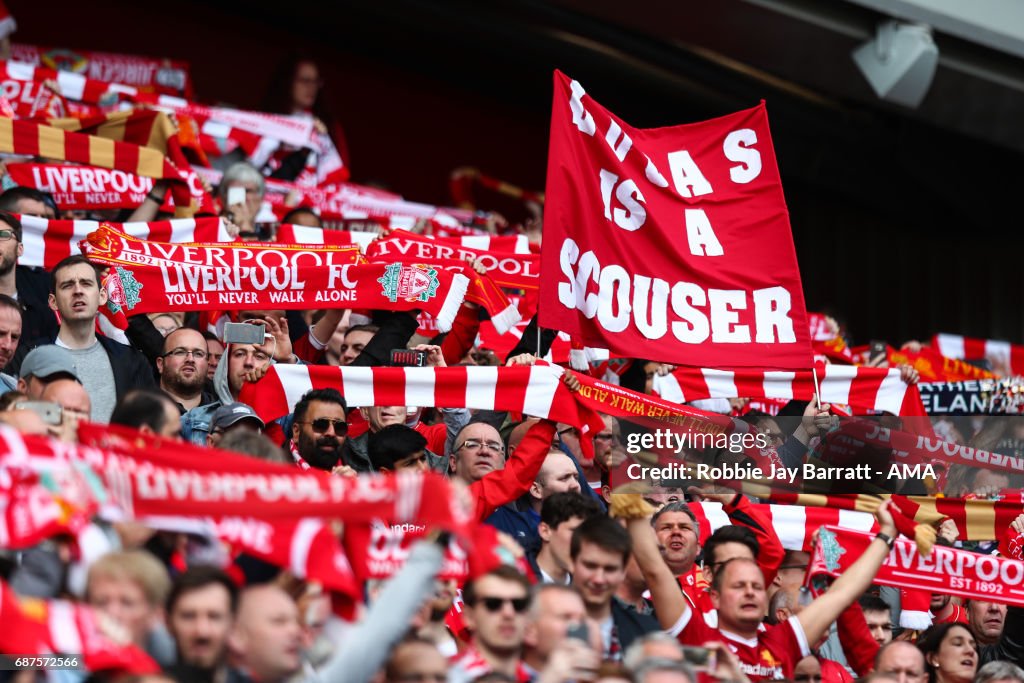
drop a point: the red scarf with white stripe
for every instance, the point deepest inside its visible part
(870, 388)
(34, 139)
(46, 242)
(1006, 358)
(535, 390)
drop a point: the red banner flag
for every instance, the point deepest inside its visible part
(671, 244)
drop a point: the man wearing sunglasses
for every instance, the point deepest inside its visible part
(495, 612)
(319, 429)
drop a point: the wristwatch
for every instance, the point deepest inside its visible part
(889, 540)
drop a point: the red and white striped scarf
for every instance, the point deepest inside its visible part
(34, 139)
(73, 86)
(869, 388)
(43, 627)
(129, 71)
(293, 449)
(1006, 358)
(46, 242)
(535, 390)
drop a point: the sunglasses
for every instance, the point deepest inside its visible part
(495, 604)
(322, 424)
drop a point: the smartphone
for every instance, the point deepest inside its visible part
(51, 413)
(578, 631)
(236, 195)
(245, 333)
(408, 358)
(700, 658)
(878, 348)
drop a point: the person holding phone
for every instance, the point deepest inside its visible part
(241, 193)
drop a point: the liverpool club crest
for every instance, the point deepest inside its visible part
(416, 282)
(122, 290)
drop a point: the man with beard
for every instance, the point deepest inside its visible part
(182, 368)
(28, 286)
(319, 428)
(200, 610)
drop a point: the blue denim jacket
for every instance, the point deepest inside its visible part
(195, 423)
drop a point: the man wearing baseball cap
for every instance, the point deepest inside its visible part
(43, 365)
(230, 417)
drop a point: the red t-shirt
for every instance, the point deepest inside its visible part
(772, 655)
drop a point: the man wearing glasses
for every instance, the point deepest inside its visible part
(478, 459)
(182, 368)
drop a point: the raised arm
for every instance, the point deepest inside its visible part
(669, 603)
(819, 615)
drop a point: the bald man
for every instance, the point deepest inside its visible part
(902, 660)
(266, 640)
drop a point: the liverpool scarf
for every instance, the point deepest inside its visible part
(46, 242)
(33, 139)
(157, 277)
(83, 187)
(160, 478)
(945, 570)
(1006, 358)
(511, 270)
(535, 390)
(870, 388)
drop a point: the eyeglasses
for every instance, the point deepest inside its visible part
(606, 437)
(495, 604)
(321, 424)
(575, 432)
(7, 235)
(474, 444)
(180, 353)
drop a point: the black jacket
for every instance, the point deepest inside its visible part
(131, 369)
(1010, 646)
(38, 321)
(630, 624)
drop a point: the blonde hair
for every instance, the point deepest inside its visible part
(134, 565)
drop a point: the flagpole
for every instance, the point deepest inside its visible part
(817, 389)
